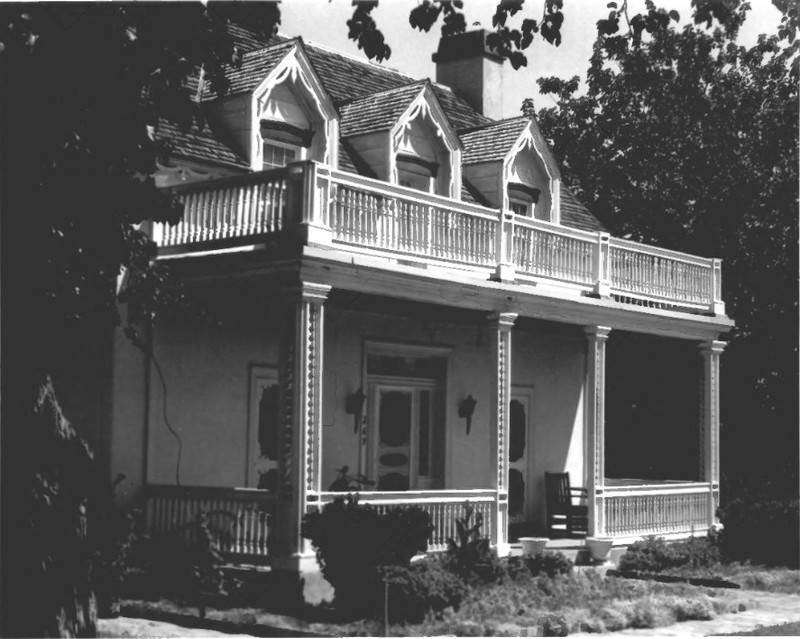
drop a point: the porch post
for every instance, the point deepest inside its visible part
(709, 424)
(300, 384)
(501, 324)
(594, 456)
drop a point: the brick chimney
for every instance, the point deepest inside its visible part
(465, 63)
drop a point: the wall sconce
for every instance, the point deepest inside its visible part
(466, 408)
(354, 405)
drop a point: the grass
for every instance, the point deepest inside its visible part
(791, 629)
(583, 601)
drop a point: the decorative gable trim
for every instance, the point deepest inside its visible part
(531, 138)
(426, 103)
(296, 67)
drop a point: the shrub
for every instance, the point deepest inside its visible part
(554, 625)
(426, 586)
(653, 554)
(471, 556)
(762, 529)
(693, 609)
(352, 541)
(549, 563)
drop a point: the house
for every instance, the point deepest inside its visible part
(396, 282)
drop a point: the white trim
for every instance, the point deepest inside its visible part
(527, 140)
(295, 67)
(426, 103)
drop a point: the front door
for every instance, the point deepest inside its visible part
(262, 444)
(402, 439)
(520, 508)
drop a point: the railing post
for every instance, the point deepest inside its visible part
(709, 425)
(504, 244)
(300, 443)
(309, 201)
(595, 426)
(602, 265)
(717, 305)
(501, 324)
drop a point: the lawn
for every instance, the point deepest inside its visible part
(581, 601)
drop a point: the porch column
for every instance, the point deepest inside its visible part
(501, 324)
(709, 424)
(594, 456)
(300, 384)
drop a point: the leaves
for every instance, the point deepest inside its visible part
(687, 140)
(364, 32)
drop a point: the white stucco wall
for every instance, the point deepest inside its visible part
(207, 373)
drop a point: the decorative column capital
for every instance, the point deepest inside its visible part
(502, 320)
(599, 333)
(313, 292)
(713, 347)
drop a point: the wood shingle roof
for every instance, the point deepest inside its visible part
(376, 112)
(491, 142)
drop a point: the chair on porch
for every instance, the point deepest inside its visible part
(561, 511)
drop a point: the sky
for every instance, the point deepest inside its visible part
(324, 22)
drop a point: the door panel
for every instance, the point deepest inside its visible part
(519, 456)
(393, 454)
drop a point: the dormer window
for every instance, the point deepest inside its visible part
(522, 199)
(416, 173)
(283, 143)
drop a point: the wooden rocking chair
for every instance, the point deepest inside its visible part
(560, 508)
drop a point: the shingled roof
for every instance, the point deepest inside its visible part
(204, 145)
(376, 112)
(576, 215)
(491, 142)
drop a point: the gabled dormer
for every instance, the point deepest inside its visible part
(292, 115)
(404, 136)
(509, 165)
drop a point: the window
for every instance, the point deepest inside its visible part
(416, 173)
(522, 199)
(277, 154)
(519, 207)
(262, 463)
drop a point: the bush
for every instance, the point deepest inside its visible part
(554, 625)
(426, 586)
(653, 554)
(470, 556)
(549, 563)
(763, 529)
(352, 541)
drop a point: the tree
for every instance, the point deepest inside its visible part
(686, 140)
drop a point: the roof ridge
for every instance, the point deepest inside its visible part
(377, 93)
(252, 52)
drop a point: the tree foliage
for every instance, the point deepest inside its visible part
(687, 140)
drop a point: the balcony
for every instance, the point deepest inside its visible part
(365, 216)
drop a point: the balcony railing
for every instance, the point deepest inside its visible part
(444, 507)
(360, 214)
(238, 518)
(657, 509)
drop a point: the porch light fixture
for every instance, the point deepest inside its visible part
(354, 405)
(466, 408)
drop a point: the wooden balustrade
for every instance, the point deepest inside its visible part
(239, 519)
(660, 509)
(567, 255)
(395, 220)
(364, 213)
(240, 206)
(657, 274)
(444, 507)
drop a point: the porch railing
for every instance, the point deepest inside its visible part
(368, 215)
(239, 518)
(444, 507)
(656, 509)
